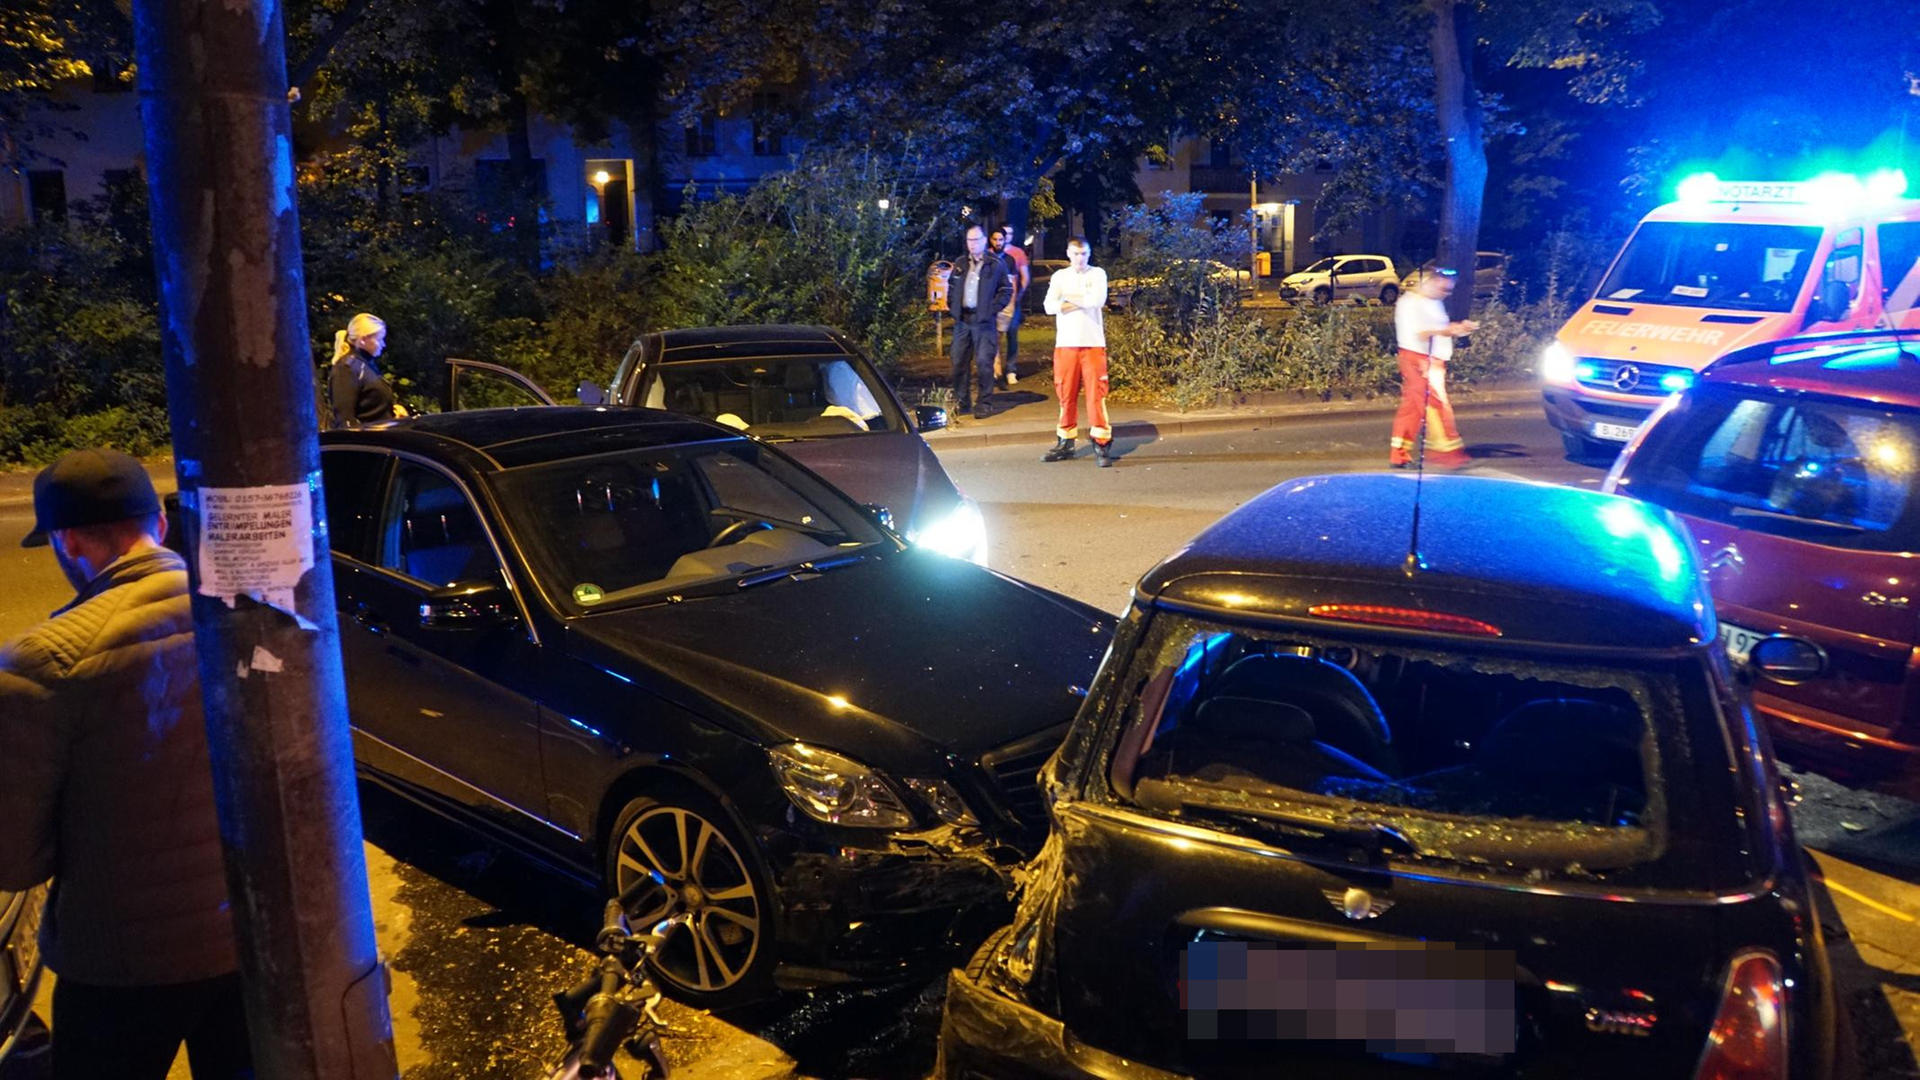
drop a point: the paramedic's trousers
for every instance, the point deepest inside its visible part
(1423, 390)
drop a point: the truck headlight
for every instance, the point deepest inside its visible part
(837, 789)
(1556, 364)
(962, 533)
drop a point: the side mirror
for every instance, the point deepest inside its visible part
(1788, 660)
(589, 393)
(929, 417)
(466, 605)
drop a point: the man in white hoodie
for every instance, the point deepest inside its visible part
(1077, 299)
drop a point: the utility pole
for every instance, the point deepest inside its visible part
(226, 241)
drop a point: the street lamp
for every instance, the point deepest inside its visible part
(883, 204)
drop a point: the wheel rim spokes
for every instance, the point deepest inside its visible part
(706, 874)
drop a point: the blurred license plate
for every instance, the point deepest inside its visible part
(1431, 998)
(1616, 432)
(1740, 641)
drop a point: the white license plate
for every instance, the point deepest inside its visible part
(1616, 432)
(1740, 641)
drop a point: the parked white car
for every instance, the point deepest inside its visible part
(1359, 278)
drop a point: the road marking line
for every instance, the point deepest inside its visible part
(1834, 886)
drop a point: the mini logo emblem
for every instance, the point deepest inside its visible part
(1626, 377)
(1621, 1022)
(1357, 903)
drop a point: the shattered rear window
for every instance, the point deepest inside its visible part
(1490, 759)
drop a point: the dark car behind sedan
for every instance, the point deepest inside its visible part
(632, 642)
(1344, 805)
(807, 388)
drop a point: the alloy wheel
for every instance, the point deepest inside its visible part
(711, 880)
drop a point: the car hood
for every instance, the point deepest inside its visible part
(896, 470)
(1667, 333)
(898, 660)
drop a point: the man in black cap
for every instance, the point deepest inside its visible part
(106, 788)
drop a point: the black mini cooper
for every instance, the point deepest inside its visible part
(632, 642)
(1369, 792)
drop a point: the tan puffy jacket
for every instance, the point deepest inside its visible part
(105, 784)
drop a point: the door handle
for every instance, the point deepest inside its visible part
(365, 616)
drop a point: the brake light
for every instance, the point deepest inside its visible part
(1748, 1040)
(1408, 617)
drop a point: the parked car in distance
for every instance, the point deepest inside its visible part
(629, 642)
(1341, 804)
(808, 388)
(1490, 269)
(1796, 464)
(1122, 292)
(1040, 273)
(1360, 278)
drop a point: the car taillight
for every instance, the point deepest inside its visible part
(1749, 1036)
(1413, 618)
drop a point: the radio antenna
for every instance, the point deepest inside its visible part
(1415, 561)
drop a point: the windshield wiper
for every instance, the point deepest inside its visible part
(1358, 832)
(763, 575)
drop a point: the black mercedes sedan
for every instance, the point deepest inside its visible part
(1371, 791)
(631, 642)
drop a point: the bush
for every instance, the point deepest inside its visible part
(1171, 251)
(1349, 351)
(810, 245)
(1509, 341)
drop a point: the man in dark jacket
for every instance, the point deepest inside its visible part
(105, 786)
(981, 285)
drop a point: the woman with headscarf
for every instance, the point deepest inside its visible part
(357, 391)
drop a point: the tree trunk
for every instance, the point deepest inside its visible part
(525, 203)
(1456, 105)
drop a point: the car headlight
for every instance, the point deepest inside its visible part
(836, 789)
(1556, 364)
(962, 533)
(946, 803)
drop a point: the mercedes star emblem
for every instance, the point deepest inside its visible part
(1626, 377)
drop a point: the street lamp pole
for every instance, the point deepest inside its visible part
(1253, 231)
(240, 394)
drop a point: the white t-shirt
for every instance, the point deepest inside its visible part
(1415, 313)
(1085, 328)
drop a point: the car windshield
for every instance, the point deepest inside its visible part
(1319, 267)
(1549, 765)
(778, 396)
(644, 523)
(1713, 264)
(1811, 469)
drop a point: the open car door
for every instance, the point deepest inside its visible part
(474, 384)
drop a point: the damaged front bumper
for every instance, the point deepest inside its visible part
(988, 1036)
(869, 911)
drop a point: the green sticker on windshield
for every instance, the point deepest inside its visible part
(587, 593)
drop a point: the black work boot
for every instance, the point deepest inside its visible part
(1103, 454)
(1062, 450)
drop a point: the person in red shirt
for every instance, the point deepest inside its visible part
(1022, 278)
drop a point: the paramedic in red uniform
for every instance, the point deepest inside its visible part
(1425, 336)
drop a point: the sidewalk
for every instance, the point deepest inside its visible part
(1026, 414)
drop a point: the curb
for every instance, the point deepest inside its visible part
(1252, 419)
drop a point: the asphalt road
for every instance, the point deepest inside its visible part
(476, 941)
